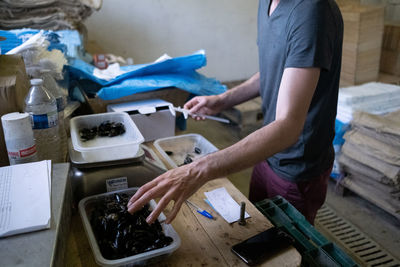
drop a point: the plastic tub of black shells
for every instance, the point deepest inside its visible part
(183, 149)
(105, 136)
(118, 238)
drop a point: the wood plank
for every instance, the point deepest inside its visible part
(362, 40)
(225, 235)
(196, 249)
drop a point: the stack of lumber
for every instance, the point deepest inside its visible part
(390, 59)
(370, 158)
(362, 41)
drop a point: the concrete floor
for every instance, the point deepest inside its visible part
(380, 226)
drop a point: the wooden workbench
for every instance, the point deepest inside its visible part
(204, 242)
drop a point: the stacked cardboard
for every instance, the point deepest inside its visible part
(45, 14)
(370, 157)
(390, 59)
(362, 40)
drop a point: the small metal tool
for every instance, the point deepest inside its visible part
(242, 220)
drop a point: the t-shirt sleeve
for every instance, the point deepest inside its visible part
(309, 38)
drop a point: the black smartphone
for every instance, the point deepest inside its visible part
(260, 247)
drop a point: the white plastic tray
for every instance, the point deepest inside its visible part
(181, 146)
(86, 207)
(106, 148)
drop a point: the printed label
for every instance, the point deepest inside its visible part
(44, 121)
(115, 184)
(27, 151)
(23, 153)
(13, 154)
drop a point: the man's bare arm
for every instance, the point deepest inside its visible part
(295, 95)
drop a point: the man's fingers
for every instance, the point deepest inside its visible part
(198, 118)
(159, 208)
(141, 191)
(191, 103)
(143, 199)
(195, 104)
(197, 107)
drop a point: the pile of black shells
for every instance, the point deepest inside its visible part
(106, 128)
(189, 157)
(120, 234)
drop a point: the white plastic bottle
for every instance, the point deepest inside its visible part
(51, 85)
(18, 136)
(42, 108)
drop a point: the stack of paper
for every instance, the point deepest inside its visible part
(25, 191)
(375, 98)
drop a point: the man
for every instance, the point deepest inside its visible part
(300, 49)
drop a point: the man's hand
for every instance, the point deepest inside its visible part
(207, 105)
(175, 185)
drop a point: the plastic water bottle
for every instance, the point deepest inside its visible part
(51, 85)
(42, 108)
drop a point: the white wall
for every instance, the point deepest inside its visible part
(146, 29)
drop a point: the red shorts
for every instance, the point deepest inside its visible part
(307, 197)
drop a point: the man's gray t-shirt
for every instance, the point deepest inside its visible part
(302, 34)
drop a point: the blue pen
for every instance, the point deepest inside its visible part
(201, 211)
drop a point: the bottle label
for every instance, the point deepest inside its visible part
(44, 121)
(115, 184)
(60, 104)
(23, 153)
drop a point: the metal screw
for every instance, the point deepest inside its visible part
(242, 220)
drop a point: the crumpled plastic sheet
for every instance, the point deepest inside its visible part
(175, 72)
(67, 41)
(179, 72)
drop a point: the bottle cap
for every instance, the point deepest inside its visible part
(36, 82)
(16, 125)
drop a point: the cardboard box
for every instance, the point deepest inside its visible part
(14, 86)
(153, 117)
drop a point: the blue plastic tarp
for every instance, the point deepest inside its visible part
(177, 72)
(67, 41)
(11, 41)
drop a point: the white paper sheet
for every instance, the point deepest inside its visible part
(224, 204)
(25, 192)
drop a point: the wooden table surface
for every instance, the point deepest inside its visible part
(204, 242)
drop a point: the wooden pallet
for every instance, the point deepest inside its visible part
(374, 193)
(247, 116)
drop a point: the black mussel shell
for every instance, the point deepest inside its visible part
(120, 234)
